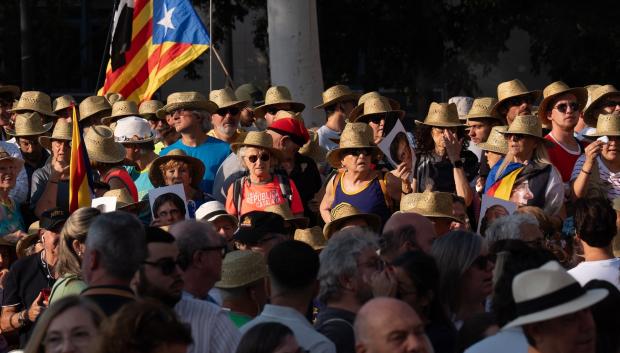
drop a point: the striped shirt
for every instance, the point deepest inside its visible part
(610, 179)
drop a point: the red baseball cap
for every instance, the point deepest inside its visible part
(292, 128)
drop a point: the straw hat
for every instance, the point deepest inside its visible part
(374, 106)
(374, 94)
(312, 149)
(335, 94)
(34, 101)
(225, 98)
(284, 210)
(94, 105)
(240, 268)
(312, 236)
(559, 88)
(124, 201)
(29, 124)
(213, 210)
(121, 109)
(251, 93)
(285, 114)
(148, 109)
(188, 100)
(5, 156)
(496, 142)
(354, 135)
(590, 89)
(511, 89)
(482, 108)
(62, 102)
(432, 204)
(62, 131)
(113, 97)
(278, 97)
(133, 129)
(442, 115)
(597, 96)
(463, 105)
(196, 167)
(607, 125)
(343, 212)
(12, 89)
(526, 125)
(101, 146)
(258, 139)
(29, 240)
(549, 292)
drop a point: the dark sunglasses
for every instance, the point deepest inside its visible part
(167, 265)
(610, 103)
(516, 137)
(272, 111)
(231, 110)
(376, 119)
(519, 100)
(482, 261)
(358, 151)
(562, 108)
(263, 157)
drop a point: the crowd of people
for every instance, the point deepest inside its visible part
(489, 225)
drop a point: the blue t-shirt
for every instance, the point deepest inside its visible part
(212, 153)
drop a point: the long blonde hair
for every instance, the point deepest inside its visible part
(75, 228)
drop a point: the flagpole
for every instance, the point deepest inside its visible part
(212, 47)
(106, 50)
(219, 59)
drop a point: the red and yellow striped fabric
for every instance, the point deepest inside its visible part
(80, 174)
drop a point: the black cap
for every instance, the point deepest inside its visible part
(253, 226)
(53, 219)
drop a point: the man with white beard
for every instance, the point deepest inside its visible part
(226, 119)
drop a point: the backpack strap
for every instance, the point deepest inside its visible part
(237, 190)
(285, 186)
(335, 320)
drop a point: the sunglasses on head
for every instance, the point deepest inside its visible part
(167, 265)
(610, 103)
(482, 261)
(263, 157)
(563, 107)
(224, 111)
(358, 151)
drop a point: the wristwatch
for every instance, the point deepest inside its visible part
(457, 164)
(22, 318)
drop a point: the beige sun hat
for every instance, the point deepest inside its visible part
(374, 94)
(463, 105)
(188, 100)
(258, 139)
(526, 125)
(343, 212)
(374, 106)
(29, 124)
(225, 98)
(549, 292)
(196, 167)
(354, 135)
(101, 147)
(590, 89)
(113, 97)
(133, 129)
(312, 236)
(34, 101)
(278, 97)
(251, 93)
(62, 102)
(5, 156)
(431, 204)
(511, 89)
(124, 201)
(607, 125)
(556, 89)
(285, 114)
(284, 210)
(441, 115)
(336, 94)
(148, 109)
(62, 131)
(496, 142)
(482, 108)
(240, 268)
(94, 106)
(121, 109)
(312, 149)
(23, 244)
(597, 96)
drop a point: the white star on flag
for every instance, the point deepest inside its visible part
(167, 20)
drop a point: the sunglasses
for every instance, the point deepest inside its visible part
(610, 103)
(264, 157)
(516, 137)
(358, 151)
(482, 261)
(562, 108)
(224, 111)
(376, 119)
(519, 100)
(167, 265)
(272, 111)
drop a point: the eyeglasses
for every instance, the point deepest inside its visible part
(519, 101)
(610, 103)
(264, 157)
(221, 249)
(358, 151)
(516, 137)
(482, 261)
(563, 107)
(167, 265)
(224, 111)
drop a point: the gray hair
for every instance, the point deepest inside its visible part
(192, 236)
(241, 153)
(508, 227)
(339, 259)
(120, 240)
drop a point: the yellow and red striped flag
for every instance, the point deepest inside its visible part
(80, 174)
(152, 41)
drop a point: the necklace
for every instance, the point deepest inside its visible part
(47, 269)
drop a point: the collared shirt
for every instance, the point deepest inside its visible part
(308, 338)
(20, 192)
(337, 325)
(109, 298)
(209, 298)
(510, 340)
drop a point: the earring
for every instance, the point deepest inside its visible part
(79, 254)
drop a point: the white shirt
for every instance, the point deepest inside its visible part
(610, 179)
(212, 330)
(307, 337)
(510, 340)
(606, 270)
(325, 134)
(20, 192)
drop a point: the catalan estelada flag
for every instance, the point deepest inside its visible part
(80, 174)
(152, 40)
(503, 187)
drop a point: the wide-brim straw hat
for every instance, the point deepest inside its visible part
(278, 97)
(549, 292)
(607, 125)
(62, 102)
(62, 131)
(354, 135)
(196, 168)
(188, 100)
(124, 201)
(121, 109)
(374, 106)
(556, 89)
(432, 204)
(336, 94)
(240, 268)
(598, 95)
(251, 93)
(34, 101)
(225, 98)
(29, 124)
(94, 105)
(312, 236)
(12, 89)
(463, 105)
(442, 115)
(101, 147)
(29, 240)
(374, 94)
(526, 125)
(257, 139)
(343, 212)
(512, 89)
(482, 108)
(496, 142)
(285, 212)
(312, 149)
(18, 164)
(148, 109)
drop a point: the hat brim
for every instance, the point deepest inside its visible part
(590, 298)
(274, 151)
(196, 166)
(588, 117)
(62, 107)
(373, 220)
(365, 118)
(223, 215)
(238, 104)
(114, 156)
(440, 124)
(607, 133)
(431, 214)
(19, 163)
(296, 107)
(536, 94)
(201, 105)
(101, 112)
(546, 142)
(135, 207)
(333, 156)
(579, 92)
(492, 148)
(46, 141)
(107, 120)
(41, 111)
(345, 97)
(24, 243)
(45, 128)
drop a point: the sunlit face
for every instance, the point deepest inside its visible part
(50, 240)
(258, 161)
(610, 151)
(610, 105)
(438, 135)
(357, 160)
(517, 106)
(226, 121)
(478, 131)
(564, 112)
(73, 330)
(522, 146)
(397, 331)
(169, 214)
(521, 193)
(182, 120)
(377, 123)
(179, 173)
(61, 150)
(8, 172)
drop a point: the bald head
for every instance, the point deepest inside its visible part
(406, 231)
